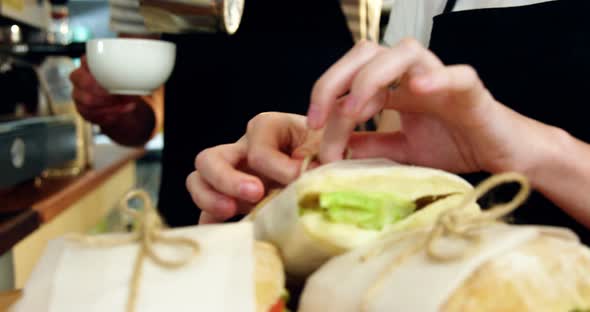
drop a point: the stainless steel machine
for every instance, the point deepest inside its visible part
(40, 131)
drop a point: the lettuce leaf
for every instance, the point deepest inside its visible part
(370, 211)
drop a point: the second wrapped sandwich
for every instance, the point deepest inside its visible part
(343, 205)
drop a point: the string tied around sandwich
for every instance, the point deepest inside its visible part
(456, 222)
(311, 157)
(148, 233)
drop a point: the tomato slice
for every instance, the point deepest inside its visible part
(279, 306)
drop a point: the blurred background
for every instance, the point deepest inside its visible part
(48, 37)
(58, 173)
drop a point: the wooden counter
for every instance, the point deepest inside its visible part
(58, 206)
(8, 298)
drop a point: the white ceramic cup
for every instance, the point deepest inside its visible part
(130, 66)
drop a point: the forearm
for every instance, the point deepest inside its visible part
(563, 174)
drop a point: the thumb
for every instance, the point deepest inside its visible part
(374, 145)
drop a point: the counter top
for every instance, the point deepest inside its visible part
(39, 204)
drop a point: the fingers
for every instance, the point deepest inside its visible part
(107, 114)
(310, 145)
(269, 136)
(454, 93)
(375, 144)
(207, 218)
(340, 126)
(217, 166)
(83, 80)
(216, 206)
(337, 81)
(94, 103)
(272, 163)
(460, 80)
(84, 93)
(368, 92)
(83, 96)
(335, 139)
(364, 71)
(218, 186)
(408, 58)
(335, 134)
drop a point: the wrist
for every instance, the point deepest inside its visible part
(550, 156)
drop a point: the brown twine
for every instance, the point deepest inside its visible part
(305, 164)
(309, 158)
(253, 212)
(455, 222)
(148, 233)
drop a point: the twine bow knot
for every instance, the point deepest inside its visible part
(147, 233)
(453, 223)
(458, 223)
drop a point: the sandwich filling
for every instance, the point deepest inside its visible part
(363, 210)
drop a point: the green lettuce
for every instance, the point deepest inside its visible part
(371, 211)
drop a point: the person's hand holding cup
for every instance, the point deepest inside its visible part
(95, 103)
(114, 86)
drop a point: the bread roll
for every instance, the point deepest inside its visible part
(343, 205)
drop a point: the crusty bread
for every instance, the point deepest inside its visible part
(547, 274)
(508, 268)
(269, 276)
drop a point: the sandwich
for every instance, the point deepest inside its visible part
(271, 295)
(230, 272)
(343, 205)
(511, 268)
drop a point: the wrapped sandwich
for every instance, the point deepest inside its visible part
(269, 277)
(340, 206)
(228, 271)
(460, 264)
(515, 269)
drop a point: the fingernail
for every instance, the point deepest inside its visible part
(248, 190)
(313, 116)
(349, 106)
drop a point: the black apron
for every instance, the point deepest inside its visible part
(536, 60)
(219, 82)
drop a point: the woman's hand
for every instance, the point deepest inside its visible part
(229, 179)
(449, 119)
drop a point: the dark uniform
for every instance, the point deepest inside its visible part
(534, 59)
(221, 81)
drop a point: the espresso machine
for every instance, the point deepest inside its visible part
(41, 135)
